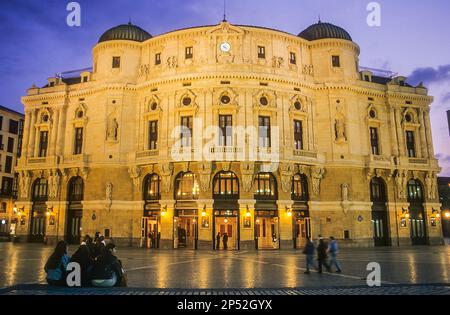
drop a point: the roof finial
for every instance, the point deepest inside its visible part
(319, 19)
(224, 10)
(129, 21)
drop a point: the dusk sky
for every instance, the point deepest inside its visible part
(413, 39)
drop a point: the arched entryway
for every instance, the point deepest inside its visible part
(417, 216)
(151, 221)
(301, 221)
(380, 218)
(267, 223)
(75, 196)
(38, 215)
(226, 211)
(185, 224)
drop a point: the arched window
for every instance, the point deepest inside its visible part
(152, 186)
(76, 189)
(186, 186)
(415, 191)
(226, 186)
(300, 188)
(265, 186)
(377, 190)
(40, 190)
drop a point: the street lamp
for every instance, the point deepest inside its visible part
(447, 215)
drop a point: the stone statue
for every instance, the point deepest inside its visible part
(345, 188)
(400, 180)
(316, 176)
(135, 173)
(55, 180)
(247, 170)
(340, 126)
(166, 170)
(286, 172)
(277, 62)
(25, 181)
(109, 191)
(430, 181)
(113, 127)
(205, 175)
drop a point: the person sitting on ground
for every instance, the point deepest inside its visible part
(85, 258)
(56, 266)
(108, 271)
(99, 246)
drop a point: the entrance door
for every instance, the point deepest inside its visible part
(37, 229)
(380, 228)
(302, 230)
(74, 227)
(266, 233)
(153, 232)
(228, 229)
(418, 225)
(186, 233)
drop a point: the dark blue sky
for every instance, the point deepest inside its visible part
(414, 37)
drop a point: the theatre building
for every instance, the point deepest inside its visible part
(173, 141)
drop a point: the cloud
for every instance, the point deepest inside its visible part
(430, 75)
(445, 98)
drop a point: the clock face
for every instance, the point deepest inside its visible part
(225, 47)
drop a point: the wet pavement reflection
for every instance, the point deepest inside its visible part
(24, 263)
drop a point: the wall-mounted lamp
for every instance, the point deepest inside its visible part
(405, 213)
(289, 212)
(164, 211)
(436, 212)
(49, 211)
(204, 211)
(248, 214)
(447, 215)
(18, 211)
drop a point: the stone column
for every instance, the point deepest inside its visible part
(394, 139)
(54, 132)
(31, 136)
(26, 132)
(428, 133)
(400, 136)
(423, 138)
(60, 136)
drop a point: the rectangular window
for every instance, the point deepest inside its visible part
(43, 143)
(153, 135)
(1, 122)
(116, 62)
(158, 59)
(264, 132)
(10, 145)
(293, 58)
(13, 126)
(262, 52)
(2, 147)
(7, 184)
(189, 53)
(186, 131)
(20, 138)
(298, 134)
(374, 141)
(336, 61)
(411, 144)
(78, 144)
(226, 130)
(8, 164)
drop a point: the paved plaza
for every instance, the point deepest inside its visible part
(428, 267)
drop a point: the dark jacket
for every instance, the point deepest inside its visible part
(105, 266)
(225, 238)
(85, 258)
(309, 248)
(322, 250)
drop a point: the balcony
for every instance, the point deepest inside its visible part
(306, 154)
(146, 154)
(418, 161)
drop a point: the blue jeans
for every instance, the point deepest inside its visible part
(309, 261)
(334, 262)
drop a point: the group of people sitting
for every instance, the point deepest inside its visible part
(99, 267)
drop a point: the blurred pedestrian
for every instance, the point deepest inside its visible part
(333, 250)
(309, 252)
(322, 255)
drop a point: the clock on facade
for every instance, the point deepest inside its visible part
(225, 47)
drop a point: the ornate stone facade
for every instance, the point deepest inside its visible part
(299, 113)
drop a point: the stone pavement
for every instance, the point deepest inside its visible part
(360, 290)
(190, 270)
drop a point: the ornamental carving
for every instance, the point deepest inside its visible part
(24, 183)
(286, 173)
(54, 183)
(430, 182)
(204, 170)
(317, 174)
(172, 62)
(401, 179)
(166, 171)
(277, 62)
(247, 171)
(135, 173)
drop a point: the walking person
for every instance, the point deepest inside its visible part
(218, 237)
(309, 252)
(322, 255)
(56, 266)
(225, 241)
(333, 250)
